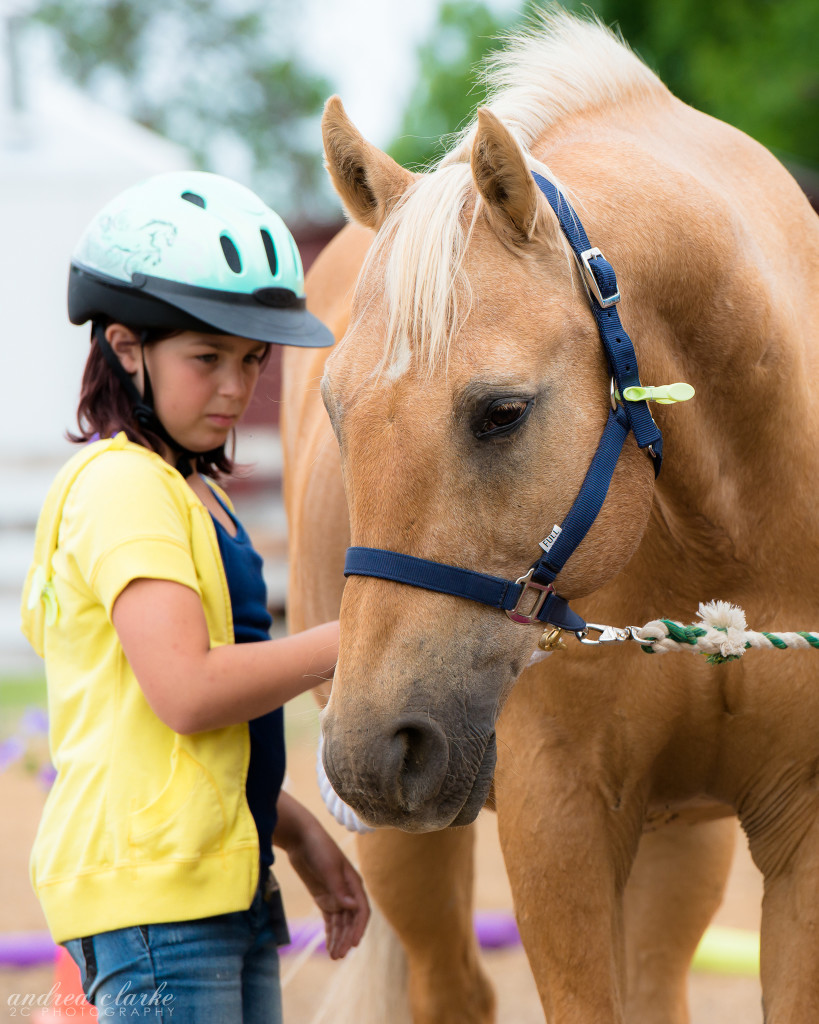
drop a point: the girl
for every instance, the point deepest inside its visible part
(153, 857)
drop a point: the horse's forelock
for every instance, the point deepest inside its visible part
(426, 290)
(564, 66)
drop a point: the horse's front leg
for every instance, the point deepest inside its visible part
(423, 885)
(783, 835)
(675, 887)
(569, 841)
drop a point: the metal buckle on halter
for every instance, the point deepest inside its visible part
(515, 614)
(614, 396)
(585, 262)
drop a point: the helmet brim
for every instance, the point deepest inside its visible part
(294, 326)
(156, 302)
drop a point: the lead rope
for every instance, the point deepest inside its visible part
(721, 635)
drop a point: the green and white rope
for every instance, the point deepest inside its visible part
(721, 635)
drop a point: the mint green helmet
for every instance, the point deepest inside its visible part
(192, 250)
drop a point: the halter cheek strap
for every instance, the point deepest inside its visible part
(532, 598)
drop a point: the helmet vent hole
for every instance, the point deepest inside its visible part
(270, 251)
(192, 197)
(231, 254)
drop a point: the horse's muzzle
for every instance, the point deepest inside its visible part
(410, 774)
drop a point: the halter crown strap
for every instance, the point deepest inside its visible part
(532, 598)
(599, 275)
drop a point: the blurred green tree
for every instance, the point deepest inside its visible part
(449, 87)
(749, 62)
(208, 74)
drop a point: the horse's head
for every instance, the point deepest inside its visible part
(468, 398)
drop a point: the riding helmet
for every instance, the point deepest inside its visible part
(187, 250)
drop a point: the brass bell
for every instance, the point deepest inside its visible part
(552, 640)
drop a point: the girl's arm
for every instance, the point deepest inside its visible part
(161, 626)
(330, 878)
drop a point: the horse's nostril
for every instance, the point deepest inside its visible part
(416, 744)
(417, 759)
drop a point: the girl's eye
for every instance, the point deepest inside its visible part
(207, 357)
(503, 416)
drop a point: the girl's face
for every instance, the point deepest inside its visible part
(202, 383)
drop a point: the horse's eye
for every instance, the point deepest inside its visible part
(503, 416)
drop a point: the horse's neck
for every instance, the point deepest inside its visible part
(714, 296)
(734, 498)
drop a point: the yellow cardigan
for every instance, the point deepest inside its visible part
(142, 825)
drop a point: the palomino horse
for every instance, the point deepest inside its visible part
(468, 399)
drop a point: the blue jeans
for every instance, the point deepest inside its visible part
(215, 970)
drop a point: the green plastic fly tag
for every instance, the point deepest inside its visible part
(666, 394)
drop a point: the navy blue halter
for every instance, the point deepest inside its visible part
(532, 598)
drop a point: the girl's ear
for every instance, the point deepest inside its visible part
(126, 346)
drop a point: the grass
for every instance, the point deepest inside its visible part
(23, 742)
(301, 721)
(19, 691)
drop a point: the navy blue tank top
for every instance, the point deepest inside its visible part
(251, 622)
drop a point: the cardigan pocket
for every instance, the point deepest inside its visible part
(185, 820)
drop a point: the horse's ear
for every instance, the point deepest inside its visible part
(503, 179)
(368, 181)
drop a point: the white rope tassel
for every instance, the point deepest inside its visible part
(343, 813)
(729, 622)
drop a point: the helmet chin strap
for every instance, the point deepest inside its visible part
(144, 412)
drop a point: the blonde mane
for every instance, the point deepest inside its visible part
(562, 66)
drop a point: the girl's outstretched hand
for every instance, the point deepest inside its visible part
(329, 876)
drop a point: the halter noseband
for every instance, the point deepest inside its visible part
(532, 598)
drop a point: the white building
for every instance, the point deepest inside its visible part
(61, 158)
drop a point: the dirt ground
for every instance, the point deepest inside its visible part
(714, 998)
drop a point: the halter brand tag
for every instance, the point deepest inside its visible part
(549, 541)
